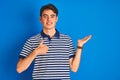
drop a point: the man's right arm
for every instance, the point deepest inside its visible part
(24, 63)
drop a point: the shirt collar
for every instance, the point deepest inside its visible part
(57, 34)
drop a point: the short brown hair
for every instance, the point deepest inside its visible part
(49, 7)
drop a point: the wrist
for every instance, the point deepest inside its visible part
(35, 52)
(79, 47)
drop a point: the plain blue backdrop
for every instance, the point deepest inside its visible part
(19, 20)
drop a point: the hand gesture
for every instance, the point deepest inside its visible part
(41, 49)
(81, 42)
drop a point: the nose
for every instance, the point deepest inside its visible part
(48, 18)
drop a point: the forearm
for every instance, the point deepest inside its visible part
(76, 60)
(23, 64)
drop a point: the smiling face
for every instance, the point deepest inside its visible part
(48, 19)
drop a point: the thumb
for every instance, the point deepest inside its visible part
(41, 42)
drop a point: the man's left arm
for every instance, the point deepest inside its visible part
(75, 61)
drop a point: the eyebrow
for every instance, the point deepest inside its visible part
(47, 15)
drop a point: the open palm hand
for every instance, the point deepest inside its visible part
(81, 42)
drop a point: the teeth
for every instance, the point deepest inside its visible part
(49, 23)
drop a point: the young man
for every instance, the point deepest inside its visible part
(52, 52)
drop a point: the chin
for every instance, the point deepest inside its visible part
(49, 28)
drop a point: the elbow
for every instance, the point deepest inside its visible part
(19, 67)
(18, 70)
(74, 70)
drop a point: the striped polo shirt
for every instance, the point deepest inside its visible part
(54, 65)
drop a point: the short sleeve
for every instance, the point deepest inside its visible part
(27, 49)
(71, 48)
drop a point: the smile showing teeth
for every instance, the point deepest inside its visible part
(49, 23)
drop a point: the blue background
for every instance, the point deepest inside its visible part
(19, 20)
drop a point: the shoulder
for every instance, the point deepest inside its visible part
(66, 36)
(36, 37)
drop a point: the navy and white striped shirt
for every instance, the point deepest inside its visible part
(55, 64)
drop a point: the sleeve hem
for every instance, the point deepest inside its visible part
(71, 56)
(22, 57)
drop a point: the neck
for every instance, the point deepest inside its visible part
(50, 32)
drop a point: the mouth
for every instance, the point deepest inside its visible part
(49, 23)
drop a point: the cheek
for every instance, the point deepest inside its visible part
(43, 21)
(56, 20)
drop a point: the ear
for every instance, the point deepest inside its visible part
(40, 19)
(56, 18)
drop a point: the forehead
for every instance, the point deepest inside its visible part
(49, 12)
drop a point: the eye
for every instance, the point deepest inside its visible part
(52, 16)
(44, 16)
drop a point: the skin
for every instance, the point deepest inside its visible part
(48, 20)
